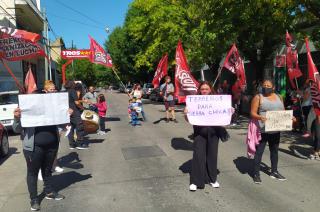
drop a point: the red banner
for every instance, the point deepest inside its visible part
(17, 33)
(289, 40)
(98, 54)
(185, 83)
(162, 70)
(76, 54)
(241, 75)
(233, 60)
(14, 49)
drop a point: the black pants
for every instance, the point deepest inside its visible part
(316, 141)
(76, 123)
(273, 141)
(305, 111)
(102, 123)
(41, 158)
(204, 161)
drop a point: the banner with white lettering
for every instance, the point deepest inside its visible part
(209, 110)
(76, 54)
(279, 121)
(14, 49)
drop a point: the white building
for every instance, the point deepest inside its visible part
(26, 15)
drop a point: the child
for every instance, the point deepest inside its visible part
(134, 107)
(102, 110)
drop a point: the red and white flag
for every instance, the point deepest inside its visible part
(18, 33)
(235, 64)
(281, 61)
(29, 82)
(98, 54)
(314, 76)
(185, 84)
(162, 70)
(292, 61)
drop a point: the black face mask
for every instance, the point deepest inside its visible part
(267, 91)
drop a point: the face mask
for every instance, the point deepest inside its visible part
(267, 91)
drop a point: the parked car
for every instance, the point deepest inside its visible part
(147, 89)
(8, 102)
(155, 95)
(4, 142)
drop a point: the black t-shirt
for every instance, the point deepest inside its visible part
(72, 98)
(46, 136)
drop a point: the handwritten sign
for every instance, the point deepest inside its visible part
(209, 110)
(279, 120)
(44, 109)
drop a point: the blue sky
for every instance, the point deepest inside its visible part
(71, 25)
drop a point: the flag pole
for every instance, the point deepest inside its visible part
(218, 75)
(114, 71)
(13, 76)
(300, 105)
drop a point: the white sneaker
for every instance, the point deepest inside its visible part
(40, 175)
(58, 169)
(68, 130)
(192, 187)
(215, 185)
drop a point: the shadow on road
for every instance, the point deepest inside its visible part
(158, 121)
(112, 119)
(297, 151)
(12, 151)
(181, 144)
(186, 167)
(71, 161)
(96, 141)
(245, 166)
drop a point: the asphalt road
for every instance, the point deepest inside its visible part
(147, 169)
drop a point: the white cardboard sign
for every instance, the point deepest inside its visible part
(279, 120)
(209, 110)
(44, 109)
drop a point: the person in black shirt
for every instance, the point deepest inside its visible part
(75, 118)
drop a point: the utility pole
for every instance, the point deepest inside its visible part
(47, 61)
(72, 61)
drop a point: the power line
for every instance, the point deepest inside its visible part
(80, 13)
(75, 21)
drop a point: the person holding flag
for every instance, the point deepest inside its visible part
(167, 92)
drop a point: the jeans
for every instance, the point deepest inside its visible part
(76, 123)
(41, 158)
(273, 141)
(102, 123)
(204, 161)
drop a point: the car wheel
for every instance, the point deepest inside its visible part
(4, 149)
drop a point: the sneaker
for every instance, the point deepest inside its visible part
(175, 121)
(72, 146)
(35, 206)
(257, 179)
(58, 169)
(192, 187)
(82, 146)
(278, 176)
(215, 185)
(167, 120)
(101, 132)
(55, 196)
(40, 175)
(312, 157)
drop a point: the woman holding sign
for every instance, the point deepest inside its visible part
(205, 150)
(261, 103)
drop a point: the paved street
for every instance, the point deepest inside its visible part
(146, 169)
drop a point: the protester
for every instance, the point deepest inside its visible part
(306, 105)
(205, 150)
(236, 99)
(91, 96)
(75, 119)
(40, 147)
(101, 105)
(134, 110)
(261, 103)
(167, 91)
(226, 87)
(137, 93)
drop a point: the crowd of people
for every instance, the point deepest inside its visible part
(40, 144)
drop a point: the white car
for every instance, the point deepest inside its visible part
(8, 102)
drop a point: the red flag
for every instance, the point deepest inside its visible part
(185, 83)
(14, 49)
(313, 75)
(289, 40)
(162, 70)
(233, 60)
(17, 33)
(241, 75)
(98, 54)
(29, 82)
